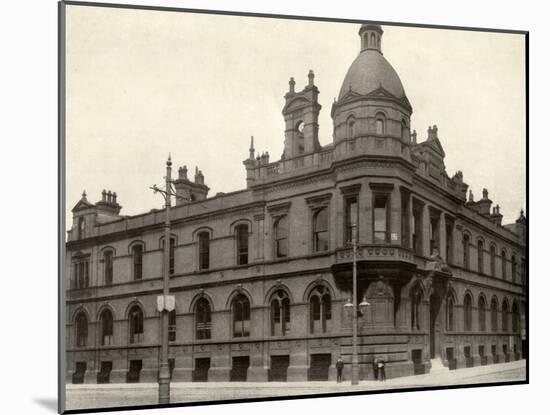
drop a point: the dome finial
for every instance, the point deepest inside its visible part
(371, 37)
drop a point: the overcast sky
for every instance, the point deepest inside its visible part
(141, 84)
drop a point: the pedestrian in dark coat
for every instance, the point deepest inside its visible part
(381, 366)
(339, 369)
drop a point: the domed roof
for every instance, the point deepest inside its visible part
(370, 71)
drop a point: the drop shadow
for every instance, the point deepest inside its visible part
(48, 403)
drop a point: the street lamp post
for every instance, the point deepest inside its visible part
(163, 302)
(353, 310)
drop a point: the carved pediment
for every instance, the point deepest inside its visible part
(82, 205)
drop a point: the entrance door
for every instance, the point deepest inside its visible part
(319, 368)
(279, 366)
(202, 365)
(239, 369)
(435, 329)
(133, 374)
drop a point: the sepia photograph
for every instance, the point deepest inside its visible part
(273, 206)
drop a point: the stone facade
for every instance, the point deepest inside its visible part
(261, 275)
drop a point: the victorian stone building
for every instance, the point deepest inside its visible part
(261, 275)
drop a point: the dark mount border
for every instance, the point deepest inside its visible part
(290, 17)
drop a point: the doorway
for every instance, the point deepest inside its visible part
(279, 367)
(320, 364)
(240, 368)
(202, 366)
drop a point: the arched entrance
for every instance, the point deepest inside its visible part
(435, 325)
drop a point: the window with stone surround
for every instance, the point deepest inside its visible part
(351, 218)
(81, 322)
(320, 230)
(135, 320)
(514, 270)
(106, 322)
(493, 254)
(203, 319)
(380, 218)
(81, 273)
(281, 236)
(380, 124)
(515, 317)
(204, 250)
(494, 314)
(108, 266)
(467, 312)
(137, 261)
(503, 262)
(320, 309)
(280, 313)
(240, 310)
(466, 251)
(241, 235)
(480, 256)
(504, 312)
(481, 313)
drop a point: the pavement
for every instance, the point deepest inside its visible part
(107, 395)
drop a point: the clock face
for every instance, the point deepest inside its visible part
(300, 127)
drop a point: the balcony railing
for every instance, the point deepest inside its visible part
(375, 253)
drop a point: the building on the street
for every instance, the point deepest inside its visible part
(261, 275)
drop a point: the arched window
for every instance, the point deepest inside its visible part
(108, 266)
(240, 309)
(504, 315)
(494, 313)
(137, 261)
(241, 234)
(480, 256)
(481, 313)
(281, 237)
(136, 324)
(467, 313)
(449, 313)
(203, 319)
(351, 128)
(372, 39)
(515, 318)
(172, 326)
(513, 268)
(403, 133)
(81, 322)
(106, 320)
(466, 250)
(380, 124)
(503, 260)
(493, 266)
(280, 313)
(416, 315)
(320, 230)
(320, 309)
(204, 250)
